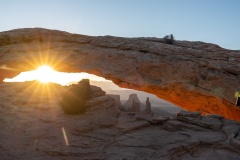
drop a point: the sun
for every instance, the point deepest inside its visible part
(44, 74)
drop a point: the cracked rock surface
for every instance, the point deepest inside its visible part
(35, 127)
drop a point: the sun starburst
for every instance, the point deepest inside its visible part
(44, 74)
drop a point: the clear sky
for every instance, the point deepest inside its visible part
(214, 21)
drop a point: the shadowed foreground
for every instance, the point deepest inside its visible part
(33, 127)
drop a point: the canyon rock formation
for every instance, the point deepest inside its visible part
(39, 129)
(148, 108)
(196, 76)
(128, 105)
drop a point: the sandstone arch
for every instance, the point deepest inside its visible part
(194, 75)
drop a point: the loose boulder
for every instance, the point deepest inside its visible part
(74, 98)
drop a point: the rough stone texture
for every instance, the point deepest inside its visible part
(212, 122)
(183, 113)
(117, 100)
(97, 91)
(196, 76)
(158, 120)
(35, 131)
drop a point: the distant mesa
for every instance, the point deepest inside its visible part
(128, 104)
(133, 104)
(75, 99)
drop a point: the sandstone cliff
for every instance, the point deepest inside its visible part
(196, 76)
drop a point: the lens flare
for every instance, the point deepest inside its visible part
(65, 136)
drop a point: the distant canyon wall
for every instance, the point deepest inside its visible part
(196, 76)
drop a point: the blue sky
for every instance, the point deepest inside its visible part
(213, 21)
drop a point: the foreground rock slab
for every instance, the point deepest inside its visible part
(41, 130)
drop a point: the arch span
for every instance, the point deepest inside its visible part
(194, 75)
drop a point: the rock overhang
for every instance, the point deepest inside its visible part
(196, 76)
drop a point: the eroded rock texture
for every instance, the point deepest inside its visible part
(39, 129)
(196, 76)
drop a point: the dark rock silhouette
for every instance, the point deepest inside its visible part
(148, 109)
(82, 89)
(74, 99)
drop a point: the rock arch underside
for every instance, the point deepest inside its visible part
(196, 76)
